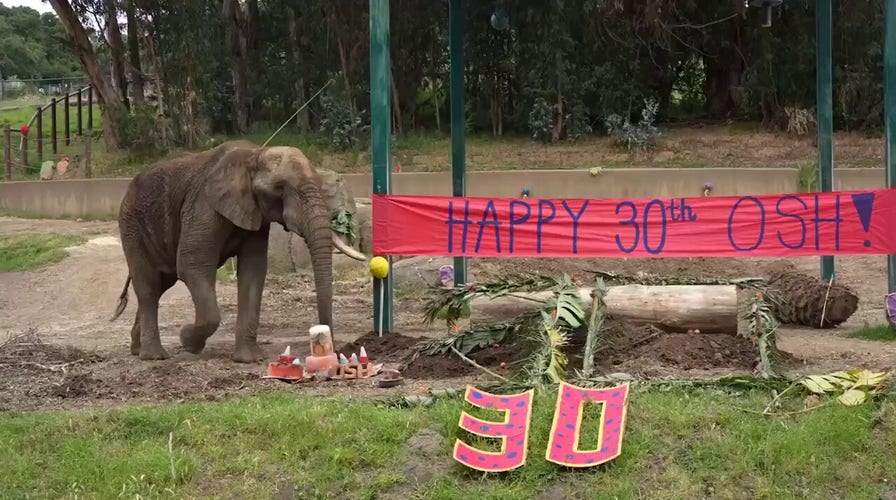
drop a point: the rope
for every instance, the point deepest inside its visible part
(297, 112)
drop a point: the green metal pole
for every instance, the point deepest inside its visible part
(825, 106)
(890, 115)
(458, 120)
(380, 141)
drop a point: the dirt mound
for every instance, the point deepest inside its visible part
(639, 351)
(389, 348)
(647, 352)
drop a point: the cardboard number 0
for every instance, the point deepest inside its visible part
(563, 447)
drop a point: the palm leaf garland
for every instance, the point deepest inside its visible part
(547, 326)
(761, 330)
(468, 341)
(454, 300)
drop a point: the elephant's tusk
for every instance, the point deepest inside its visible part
(347, 250)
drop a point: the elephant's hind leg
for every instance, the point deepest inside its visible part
(201, 283)
(148, 291)
(167, 281)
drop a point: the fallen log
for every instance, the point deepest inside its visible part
(672, 308)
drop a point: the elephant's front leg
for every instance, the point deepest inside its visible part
(252, 267)
(201, 283)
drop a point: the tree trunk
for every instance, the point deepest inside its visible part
(109, 102)
(673, 308)
(116, 51)
(723, 74)
(134, 65)
(238, 35)
(303, 121)
(396, 105)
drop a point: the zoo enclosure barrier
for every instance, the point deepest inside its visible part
(16, 147)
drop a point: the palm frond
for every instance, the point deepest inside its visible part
(595, 327)
(762, 327)
(454, 300)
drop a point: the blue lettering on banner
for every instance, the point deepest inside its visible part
(761, 224)
(514, 221)
(647, 227)
(489, 208)
(465, 222)
(802, 242)
(836, 220)
(542, 221)
(575, 223)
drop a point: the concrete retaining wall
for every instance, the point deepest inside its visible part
(77, 198)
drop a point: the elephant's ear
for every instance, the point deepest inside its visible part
(229, 188)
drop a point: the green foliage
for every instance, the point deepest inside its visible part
(541, 121)
(344, 223)
(638, 136)
(33, 45)
(26, 251)
(139, 132)
(339, 123)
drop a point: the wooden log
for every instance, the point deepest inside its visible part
(672, 308)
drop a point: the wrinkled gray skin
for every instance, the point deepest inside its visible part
(183, 217)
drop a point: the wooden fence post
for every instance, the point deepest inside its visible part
(80, 105)
(68, 132)
(24, 150)
(40, 134)
(7, 152)
(90, 106)
(53, 125)
(88, 169)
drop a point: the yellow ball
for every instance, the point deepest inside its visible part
(379, 267)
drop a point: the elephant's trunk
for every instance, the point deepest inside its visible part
(315, 229)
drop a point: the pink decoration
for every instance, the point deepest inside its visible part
(563, 447)
(513, 431)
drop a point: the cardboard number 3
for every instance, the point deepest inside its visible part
(513, 431)
(563, 446)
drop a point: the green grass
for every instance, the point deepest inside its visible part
(881, 332)
(681, 443)
(28, 251)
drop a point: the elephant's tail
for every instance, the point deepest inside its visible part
(122, 300)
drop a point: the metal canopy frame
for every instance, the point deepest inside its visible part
(381, 133)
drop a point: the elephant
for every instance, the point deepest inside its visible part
(184, 216)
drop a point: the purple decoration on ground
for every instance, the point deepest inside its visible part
(446, 273)
(891, 307)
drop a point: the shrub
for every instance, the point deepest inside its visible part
(340, 123)
(638, 136)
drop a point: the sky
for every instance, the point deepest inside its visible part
(38, 5)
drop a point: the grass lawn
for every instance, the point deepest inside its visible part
(882, 332)
(24, 252)
(679, 443)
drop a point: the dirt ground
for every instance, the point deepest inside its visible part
(74, 357)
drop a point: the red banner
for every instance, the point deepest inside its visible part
(836, 223)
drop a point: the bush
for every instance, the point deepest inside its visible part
(138, 132)
(340, 123)
(540, 122)
(631, 136)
